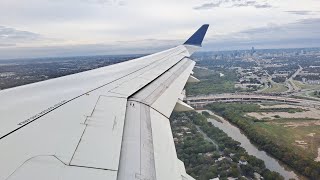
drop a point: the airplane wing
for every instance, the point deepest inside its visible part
(108, 123)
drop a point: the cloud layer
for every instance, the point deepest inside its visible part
(10, 36)
(233, 3)
(78, 27)
(301, 12)
(304, 33)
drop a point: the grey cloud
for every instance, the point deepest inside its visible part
(122, 3)
(10, 36)
(263, 6)
(6, 44)
(244, 3)
(107, 2)
(121, 47)
(300, 12)
(208, 6)
(304, 27)
(250, 4)
(234, 3)
(303, 33)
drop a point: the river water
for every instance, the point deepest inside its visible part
(237, 135)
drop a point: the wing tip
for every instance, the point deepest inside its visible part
(197, 38)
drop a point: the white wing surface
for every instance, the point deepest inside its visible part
(108, 123)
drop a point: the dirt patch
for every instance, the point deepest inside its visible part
(301, 143)
(281, 106)
(302, 146)
(318, 158)
(311, 114)
(311, 134)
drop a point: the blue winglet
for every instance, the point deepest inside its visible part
(197, 38)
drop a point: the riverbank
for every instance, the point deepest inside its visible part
(236, 134)
(195, 139)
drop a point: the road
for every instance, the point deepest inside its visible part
(290, 84)
(208, 139)
(266, 80)
(199, 101)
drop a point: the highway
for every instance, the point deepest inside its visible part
(290, 84)
(199, 101)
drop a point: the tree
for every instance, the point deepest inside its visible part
(234, 172)
(205, 113)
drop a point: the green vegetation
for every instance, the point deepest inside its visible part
(279, 79)
(207, 115)
(203, 161)
(211, 82)
(301, 85)
(274, 137)
(304, 97)
(276, 88)
(316, 94)
(288, 136)
(276, 116)
(289, 110)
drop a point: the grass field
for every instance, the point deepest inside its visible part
(305, 86)
(313, 95)
(304, 139)
(276, 88)
(299, 130)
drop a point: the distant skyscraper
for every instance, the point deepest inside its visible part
(252, 51)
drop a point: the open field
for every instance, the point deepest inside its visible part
(309, 113)
(276, 88)
(277, 105)
(305, 86)
(302, 136)
(301, 130)
(313, 95)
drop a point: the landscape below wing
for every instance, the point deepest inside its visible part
(109, 123)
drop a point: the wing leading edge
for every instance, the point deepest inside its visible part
(109, 123)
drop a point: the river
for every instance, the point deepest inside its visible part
(237, 135)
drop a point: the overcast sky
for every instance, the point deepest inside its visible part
(46, 28)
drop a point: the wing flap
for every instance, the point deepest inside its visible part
(153, 91)
(104, 129)
(147, 139)
(164, 149)
(166, 102)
